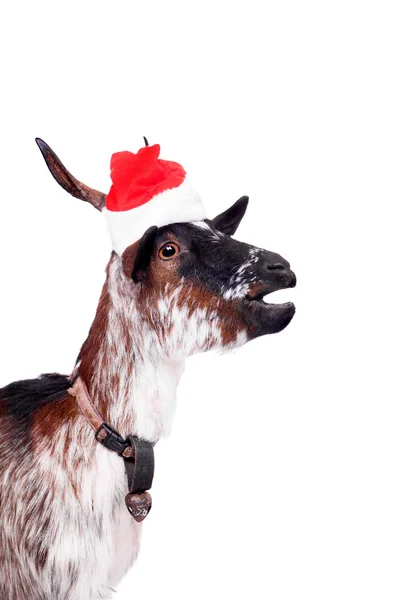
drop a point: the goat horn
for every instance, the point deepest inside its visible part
(67, 181)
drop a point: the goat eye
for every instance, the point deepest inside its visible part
(168, 251)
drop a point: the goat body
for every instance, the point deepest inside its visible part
(65, 532)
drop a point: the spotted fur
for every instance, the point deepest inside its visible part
(65, 533)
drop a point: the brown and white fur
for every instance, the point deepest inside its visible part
(65, 532)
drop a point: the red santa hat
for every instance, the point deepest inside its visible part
(147, 191)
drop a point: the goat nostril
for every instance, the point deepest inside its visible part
(277, 267)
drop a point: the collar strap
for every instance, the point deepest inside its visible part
(138, 454)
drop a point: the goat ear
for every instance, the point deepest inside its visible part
(144, 254)
(67, 181)
(228, 221)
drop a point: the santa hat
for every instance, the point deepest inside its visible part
(147, 191)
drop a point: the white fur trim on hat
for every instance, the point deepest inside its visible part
(178, 205)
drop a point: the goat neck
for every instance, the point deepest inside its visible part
(131, 382)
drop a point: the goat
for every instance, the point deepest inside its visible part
(180, 289)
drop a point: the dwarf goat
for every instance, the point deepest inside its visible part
(65, 533)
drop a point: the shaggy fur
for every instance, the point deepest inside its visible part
(65, 532)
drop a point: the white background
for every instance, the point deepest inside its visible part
(281, 478)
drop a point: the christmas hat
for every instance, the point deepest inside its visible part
(147, 191)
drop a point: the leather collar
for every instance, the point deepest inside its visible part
(138, 454)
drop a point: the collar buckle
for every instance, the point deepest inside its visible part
(111, 439)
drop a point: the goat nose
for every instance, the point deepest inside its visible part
(275, 262)
(278, 266)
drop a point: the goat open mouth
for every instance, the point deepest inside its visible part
(266, 317)
(260, 297)
(259, 292)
